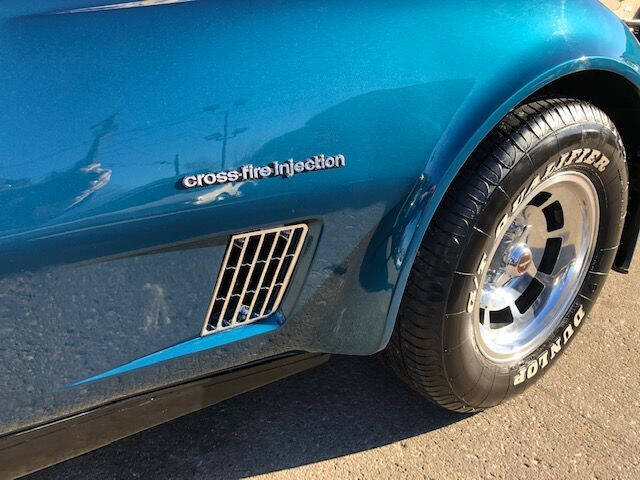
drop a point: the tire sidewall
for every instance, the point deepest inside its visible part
(475, 378)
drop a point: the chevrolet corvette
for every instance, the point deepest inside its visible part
(202, 197)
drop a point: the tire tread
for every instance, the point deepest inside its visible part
(416, 351)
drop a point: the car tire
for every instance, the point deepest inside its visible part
(514, 257)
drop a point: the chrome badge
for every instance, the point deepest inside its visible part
(275, 169)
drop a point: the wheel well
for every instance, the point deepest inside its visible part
(620, 99)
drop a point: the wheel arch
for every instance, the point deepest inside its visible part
(590, 79)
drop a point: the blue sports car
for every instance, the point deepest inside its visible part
(201, 197)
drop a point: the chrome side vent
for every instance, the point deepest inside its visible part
(255, 272)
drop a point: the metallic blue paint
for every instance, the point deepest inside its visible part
(108, 265)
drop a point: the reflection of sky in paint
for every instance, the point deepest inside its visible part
(117, 6)
(85, 67)
(157, 68)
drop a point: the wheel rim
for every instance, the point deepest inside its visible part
(536, 267)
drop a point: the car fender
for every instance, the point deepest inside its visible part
(441, 172)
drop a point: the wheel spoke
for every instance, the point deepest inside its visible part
(566, 258)
(546, 279)
(563, 197)
(519, 318)
(486, 318)
(564, 233)
(552, 198)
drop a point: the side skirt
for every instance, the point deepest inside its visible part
(36, 448)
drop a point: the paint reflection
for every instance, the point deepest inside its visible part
(27, 203)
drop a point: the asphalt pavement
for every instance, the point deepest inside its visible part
(351, 418)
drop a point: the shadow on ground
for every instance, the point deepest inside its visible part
(347, 405)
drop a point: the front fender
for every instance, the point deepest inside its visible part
(603, 44)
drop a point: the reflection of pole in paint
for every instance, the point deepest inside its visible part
(106, 126)
(176, 164)
(100, 130)
(224, 137)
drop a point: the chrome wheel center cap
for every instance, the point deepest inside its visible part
(519, 260)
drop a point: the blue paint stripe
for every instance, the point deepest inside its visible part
(187, 348)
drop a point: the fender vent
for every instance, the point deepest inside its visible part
(255, 272)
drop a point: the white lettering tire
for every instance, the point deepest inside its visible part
(515, 256)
